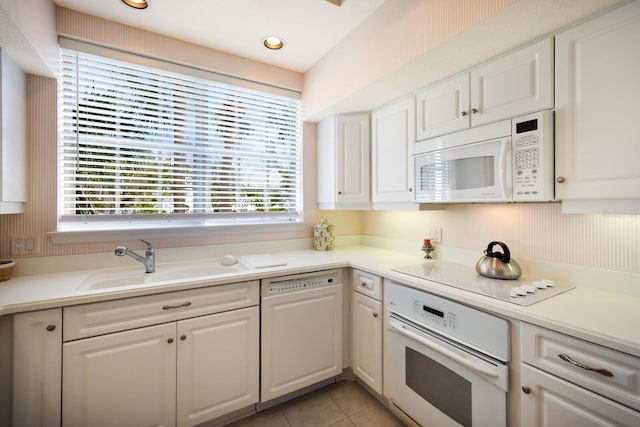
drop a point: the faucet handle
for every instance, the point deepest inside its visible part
(149, 245)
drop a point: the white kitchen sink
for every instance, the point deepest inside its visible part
(176, 271)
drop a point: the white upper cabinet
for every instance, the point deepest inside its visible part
(13, 131)
(443, 108)
(344, 162)
(597, 86)
(512, 85)
(392, 140)
(516, 84)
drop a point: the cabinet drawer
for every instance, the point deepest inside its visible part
(367, 284)
(619, 373)
(88, 320)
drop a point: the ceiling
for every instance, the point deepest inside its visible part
(310, 28)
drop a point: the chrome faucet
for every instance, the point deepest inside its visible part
(149, 260)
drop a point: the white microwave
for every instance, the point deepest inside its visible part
(507, 161)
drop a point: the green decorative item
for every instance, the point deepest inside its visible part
(323, 236)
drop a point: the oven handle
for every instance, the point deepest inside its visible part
(399, 327)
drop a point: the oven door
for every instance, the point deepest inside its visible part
(479, 172)
(439, 383)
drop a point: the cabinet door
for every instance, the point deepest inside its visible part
(344, 147)
(516, 84)
(597, 86)
(550, 401)
(125, 379)
(352, 158)
(443, 108)
(366, 340)
(37, 368)
(392, 140)
(13, 136)
(218, 365)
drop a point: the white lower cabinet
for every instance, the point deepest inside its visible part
(122, 379)
(37, 368)
(550, 401)
(366, 332)
(218, 365)
(182, 373)
(177, 373)
(574, 383)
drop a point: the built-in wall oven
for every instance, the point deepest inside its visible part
(446, 364)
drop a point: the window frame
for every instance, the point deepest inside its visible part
(183, 225)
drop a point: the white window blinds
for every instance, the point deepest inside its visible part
(137, 143)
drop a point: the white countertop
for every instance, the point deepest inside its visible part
(606, 318)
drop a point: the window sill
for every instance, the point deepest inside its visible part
(148, 233)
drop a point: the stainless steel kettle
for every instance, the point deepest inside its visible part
(498, 265)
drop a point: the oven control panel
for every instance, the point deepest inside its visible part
(474, 328)
(433, 315)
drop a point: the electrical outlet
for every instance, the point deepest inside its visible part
(435, 234)
(24, 246)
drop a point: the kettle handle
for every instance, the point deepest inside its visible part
(506, 257)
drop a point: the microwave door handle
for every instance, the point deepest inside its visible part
(399, 327)
(505, 148)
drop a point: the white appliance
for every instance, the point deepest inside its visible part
(301, 331)
(511, 160)
(446, 364)
(524, 291)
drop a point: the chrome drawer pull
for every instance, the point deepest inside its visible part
(170, 307)
(602, 371)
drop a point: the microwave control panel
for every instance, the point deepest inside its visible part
(532, 156)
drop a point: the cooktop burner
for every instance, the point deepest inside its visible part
(523, 291)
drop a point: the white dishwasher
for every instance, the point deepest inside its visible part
(301, 331)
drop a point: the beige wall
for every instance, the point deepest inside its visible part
(408, 44)
(103, 32)
(537, 231)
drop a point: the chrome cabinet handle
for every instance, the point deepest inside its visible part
(560, 179)
(171, 307)
(526, 389)
(474, 110)
(375, 314)
(410, 189)
(170, 340)
(364, 284)
(601, 371)
(51, 328)
(463, 113)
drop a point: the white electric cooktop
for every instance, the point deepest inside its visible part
(523, 291)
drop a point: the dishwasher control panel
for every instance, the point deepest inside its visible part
(300, 282)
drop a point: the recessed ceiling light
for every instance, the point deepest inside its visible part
(273, 42)
(136, 4)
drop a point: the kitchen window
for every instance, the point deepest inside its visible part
(141, 147)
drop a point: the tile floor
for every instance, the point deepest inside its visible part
(342, 404)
